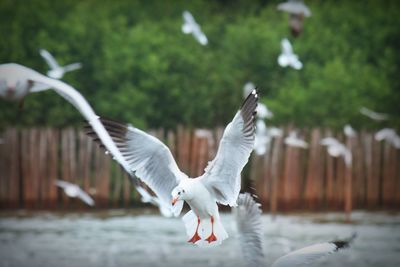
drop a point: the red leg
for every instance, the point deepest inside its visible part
(196, 236)
(212, 237)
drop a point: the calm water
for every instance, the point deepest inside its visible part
(118, 238)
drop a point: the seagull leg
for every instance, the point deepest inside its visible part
(196, 236)
(212, 237)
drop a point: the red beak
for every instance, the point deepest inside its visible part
(174, 200)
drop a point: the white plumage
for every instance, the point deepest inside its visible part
(248, 219)
(349, 131)
(56, 71)
(295, 141)
(288, 57)
(73, 190)
(389, 135)
(190, 26)
(336, 149)
(153, 163)
(296, 7)
(373, 115)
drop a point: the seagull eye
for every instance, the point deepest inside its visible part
(179, 193)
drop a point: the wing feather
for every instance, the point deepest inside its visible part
(222, 175)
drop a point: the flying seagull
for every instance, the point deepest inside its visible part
(248, 220)
(389, 135)
(56, 71)
(191, 26)
(295, 141)
(297, 11)
(73, 190)
(336, 149)
(349, 131)
(373, 115)
(287, 57)
(154, 164)
(13, 76)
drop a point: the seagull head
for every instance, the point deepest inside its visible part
(181, 192)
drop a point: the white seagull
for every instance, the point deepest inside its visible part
(13, 76)
(73, 190)
(154, 164)
(389, 135)
(248, 219)
(295, 141)
(296, 7)
(56, 71)
(336, 149)
(191, 26)
(373, 115)
(349, 131)
(287, 57)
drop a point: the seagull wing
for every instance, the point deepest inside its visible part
(148, 158)
(286, 47)
(188, 17)
(85, 197)
(248, 220)
(222, 175)
(62, 184)
(73, 66)
(307, 255)
(51, 61)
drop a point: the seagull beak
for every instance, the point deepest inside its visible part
(174, 200)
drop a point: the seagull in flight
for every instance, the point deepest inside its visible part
(248, 220)
(374, 115)
(349, 131)
(295, 141)
(191, 26)
(287, 57)
(154, 164)
(297, 11)
(73, 190)
(13, 76)
(389, 135)
(336, 149)
(56, 71)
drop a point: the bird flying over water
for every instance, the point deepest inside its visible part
(191, 26)
(56, 71)
(154, 164)
(248, 220)
(73, 190)
(288, 57)
(17, 77)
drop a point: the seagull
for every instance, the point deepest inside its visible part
(336, 149)
(274, 132)
(389, 135)
(296, 7)
(73, 190)
(56, 71)
(294, 140)
(13, 75)
(154, 164)
(248, 220)
(349, 131)
(262, 139)
(373, 115)
(287, 57)
(191, 26)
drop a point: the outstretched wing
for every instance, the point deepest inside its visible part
(307, 255)
(248, 220)
(85, 197)
(73, 66)
(62, 184)
(51, 61)
(222, 175)
(148, 158)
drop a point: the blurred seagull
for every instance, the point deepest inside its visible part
(262, 139)
(13, 76)
(349, 131)
(56, 71)
(263, 112)
(154, 164)
(248, 220)
(373, 115)
(336, 149)
(297, 11)
(274, 132)
(191, 26)
(294, 140)
(72, 190)
(287, 57)
(389, 135)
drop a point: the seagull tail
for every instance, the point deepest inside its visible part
(205, 229)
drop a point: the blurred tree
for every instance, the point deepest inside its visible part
(139, 67)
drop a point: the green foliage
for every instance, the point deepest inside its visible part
(139, 67)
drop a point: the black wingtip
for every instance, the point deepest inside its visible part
(341, 244)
